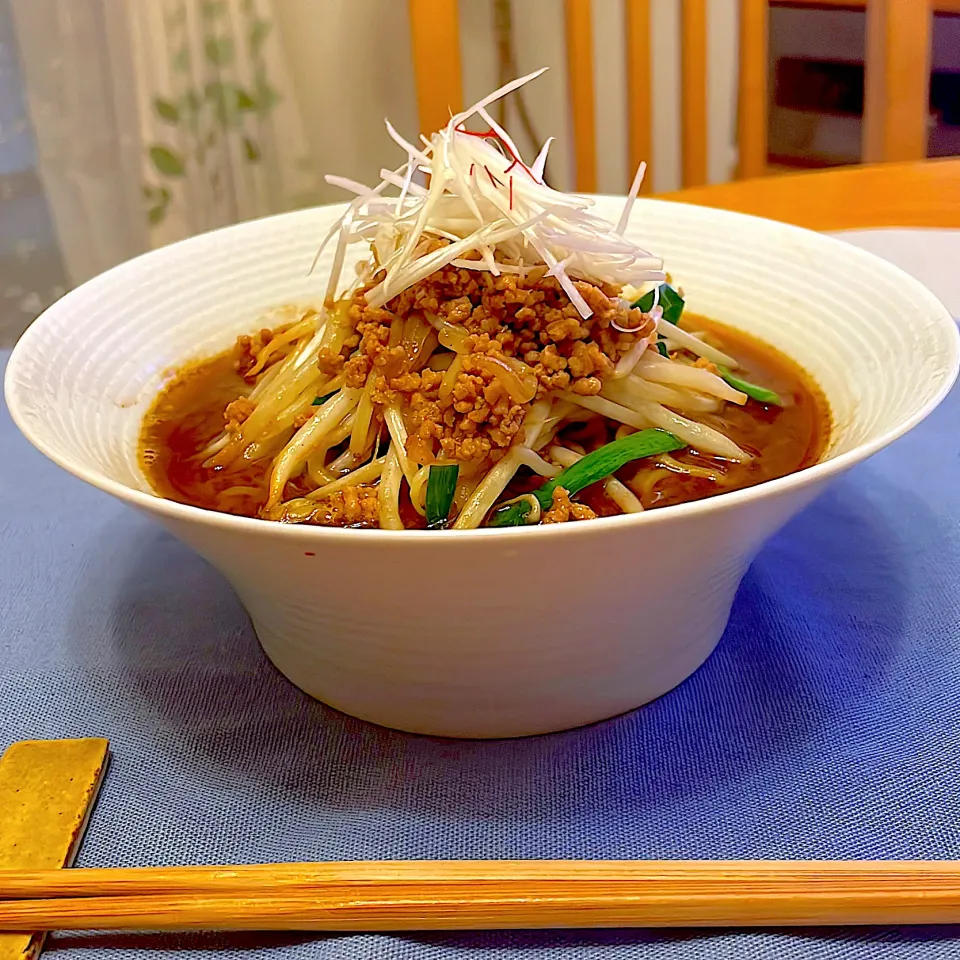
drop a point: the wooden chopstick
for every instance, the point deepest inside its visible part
(446, 895)
(267, 877)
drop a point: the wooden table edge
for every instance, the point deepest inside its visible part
(921, 194)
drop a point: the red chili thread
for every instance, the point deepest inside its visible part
(482, 134)
(493, 135)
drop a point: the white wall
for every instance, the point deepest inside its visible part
(352, 66)
(723, 74)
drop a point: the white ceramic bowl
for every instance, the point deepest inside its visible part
(487, 633)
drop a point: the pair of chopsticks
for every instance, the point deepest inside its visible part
(483, 895)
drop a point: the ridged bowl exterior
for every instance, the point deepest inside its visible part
(486, 633)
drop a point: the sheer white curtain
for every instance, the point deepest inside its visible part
(157, 120)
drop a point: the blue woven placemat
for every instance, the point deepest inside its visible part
(827, 723)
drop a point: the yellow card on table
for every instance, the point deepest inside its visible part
(47, 790)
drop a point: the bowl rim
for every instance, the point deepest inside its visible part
(808, 476)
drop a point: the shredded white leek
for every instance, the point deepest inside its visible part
(487, 202)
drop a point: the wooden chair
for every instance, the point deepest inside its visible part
(897, 78)
(896, 96)
(897, 58)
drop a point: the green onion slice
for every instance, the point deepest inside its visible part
(320, 401)
(760, 394)
(670, 302)
(441, 486)
(598, 465)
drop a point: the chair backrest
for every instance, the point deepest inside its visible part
(897, 77)
(434, 26)
(752, 96)
(896, 95)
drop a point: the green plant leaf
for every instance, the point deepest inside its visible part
(211, 9)
(225, 99)
(265, 95)
(181, 60)
(219, 50)
(190, 102)
(165, 161)
(158, 196)
(218, 94)
(244, 100)
(259, 31)
(166, 110)
(252, 149)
